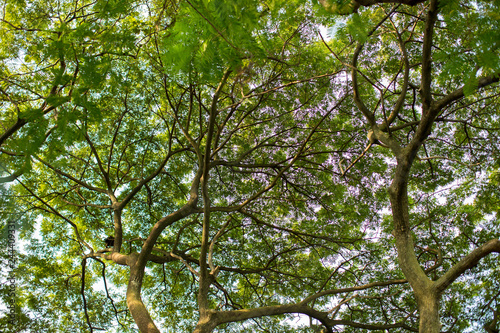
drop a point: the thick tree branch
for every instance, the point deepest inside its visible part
(459, 93)
(205, 278)
(426, 73)
(302, 307)
(402, 95)
(134, 301)
(466, 263)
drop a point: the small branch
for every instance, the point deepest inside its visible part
(79, 182)
(337, 307)
(370, 117)
(356, 160)
(437, 157)
(107, 292)
(459, 93)
(82, 291)
(426, 72)
(105, 174)
(213, 26)
(191, 269)
(400, 101)
(351, 289)
(367, 3)
(211, 249)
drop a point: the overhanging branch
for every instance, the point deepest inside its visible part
(466, 263)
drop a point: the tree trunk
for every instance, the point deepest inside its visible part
(137, 309)
(207, 323)
(424, 289)
(428, 308)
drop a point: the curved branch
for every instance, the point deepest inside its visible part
(459, 93)
(103, 272)
(82, 291)
(76, 180)
(205, 278)
(466, 263)
(13, 176)
(367, 3)
(134, 301)
(355, 88)
(302, 307)
(146, 180)
(105, 174)
(212, 244)
(402, 95)
(57, 213)
(370, 116)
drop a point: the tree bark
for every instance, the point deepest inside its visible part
(138, 310)
(134, 301)
(424, 289)
(428, 309)
(207, 322)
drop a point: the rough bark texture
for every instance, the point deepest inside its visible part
(423, 288)
(134, 302)
(428, 306)
(139, 312)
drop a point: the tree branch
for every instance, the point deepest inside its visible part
(466, 263)
(426, 73)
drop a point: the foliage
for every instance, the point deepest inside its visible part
(225, 142)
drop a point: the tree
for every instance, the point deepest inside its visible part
(223, 146)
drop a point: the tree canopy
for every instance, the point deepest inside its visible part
(235, 166)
